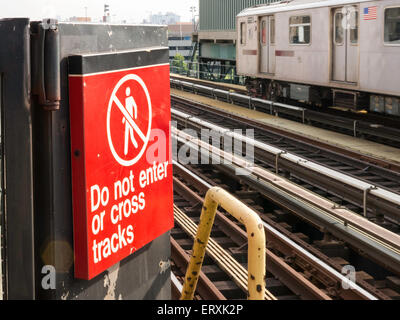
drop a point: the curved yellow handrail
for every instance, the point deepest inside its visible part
(256, 243)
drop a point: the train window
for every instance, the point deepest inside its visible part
(392, 25)
(354, 27)
(243, 33)
(263, 32)
(339, 28)
(272, 30)
(250, 33)
(300, 29)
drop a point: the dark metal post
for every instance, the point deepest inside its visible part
(17, 166)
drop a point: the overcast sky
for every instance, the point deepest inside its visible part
(130, 10)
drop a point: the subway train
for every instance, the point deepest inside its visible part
(343, 53)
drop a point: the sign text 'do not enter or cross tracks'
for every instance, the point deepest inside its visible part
(121, 166)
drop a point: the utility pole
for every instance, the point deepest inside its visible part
(106, 17)
(193, 11)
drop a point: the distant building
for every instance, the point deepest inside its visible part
(106, 15)
(180, 39)
(216, 35)
(80, 19)
(165, 19)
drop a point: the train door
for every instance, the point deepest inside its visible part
(267, 44)
(345, 44)
(271, 49)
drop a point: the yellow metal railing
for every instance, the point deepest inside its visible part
(256, 243)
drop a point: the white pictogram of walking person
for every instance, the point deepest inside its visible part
(130, 106)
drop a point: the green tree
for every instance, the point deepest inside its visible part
(179, 64)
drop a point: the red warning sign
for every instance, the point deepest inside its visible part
(121, 163)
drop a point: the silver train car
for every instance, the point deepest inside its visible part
(344, 53)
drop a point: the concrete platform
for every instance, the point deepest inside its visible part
(369, 148)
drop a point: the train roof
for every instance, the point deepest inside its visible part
(294, 5)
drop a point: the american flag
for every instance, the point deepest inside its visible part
(370, 13)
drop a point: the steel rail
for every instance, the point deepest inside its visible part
(176, 287)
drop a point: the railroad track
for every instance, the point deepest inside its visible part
(224, 270)
(358, 184)
(392, 121)
(377, 243)
(368, 126)
(321, 239)
(214, 85)
(304, 269)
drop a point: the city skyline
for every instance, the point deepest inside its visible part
(120, 10)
